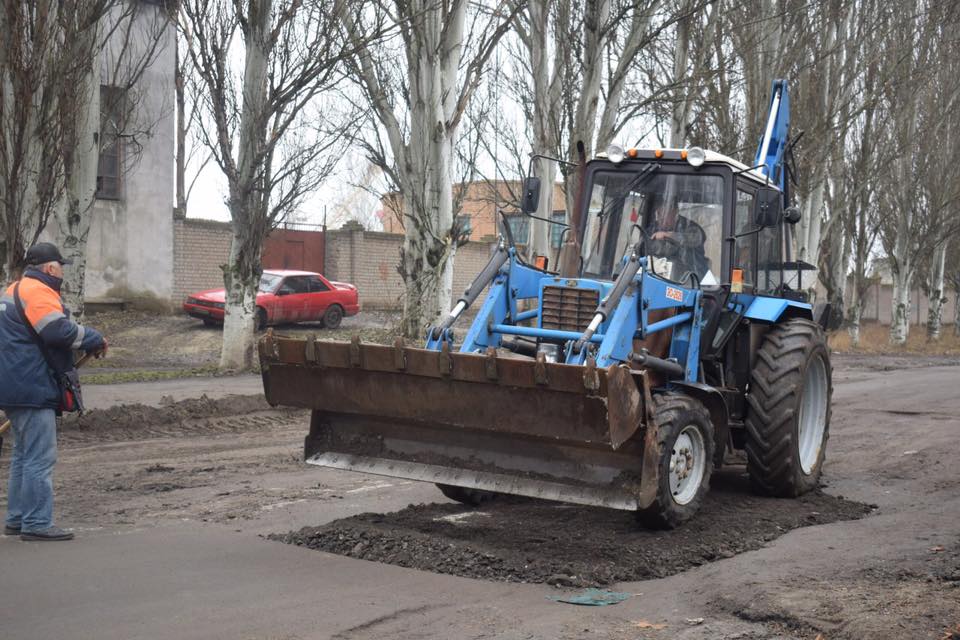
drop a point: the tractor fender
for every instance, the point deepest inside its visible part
(713, 400)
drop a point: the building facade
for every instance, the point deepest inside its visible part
(130, 246)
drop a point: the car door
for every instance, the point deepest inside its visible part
(294, 298)
(320, 297)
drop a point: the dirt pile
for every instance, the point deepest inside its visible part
(131, 421)
(521, 540)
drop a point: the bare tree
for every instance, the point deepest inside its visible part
(419, 90)
(915, 208)
(267, 126)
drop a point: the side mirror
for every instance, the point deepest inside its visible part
(792, 215)
(531, 195)
(767, 207)
(283, 291)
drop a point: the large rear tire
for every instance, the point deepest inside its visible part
(472, 497)
(686, 460)
(788, 421)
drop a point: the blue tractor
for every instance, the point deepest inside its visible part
(674, 331)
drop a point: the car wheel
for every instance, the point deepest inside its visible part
(333, 316)
(261, 318)
(210, 323)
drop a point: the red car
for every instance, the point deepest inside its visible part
(285, 296)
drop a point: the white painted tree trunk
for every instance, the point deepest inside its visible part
(956, 312)
(241, 275)
(937, 296)
(900, 309)
(854, 315)
(238, 326)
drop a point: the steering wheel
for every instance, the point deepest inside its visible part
(666, 247)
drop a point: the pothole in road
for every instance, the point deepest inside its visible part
(521, 540)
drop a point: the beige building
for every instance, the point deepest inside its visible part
(478, 211)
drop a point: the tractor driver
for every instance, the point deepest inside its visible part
(678, 239)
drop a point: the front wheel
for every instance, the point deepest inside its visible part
(788, 421)
(261, 318)
(686, 460)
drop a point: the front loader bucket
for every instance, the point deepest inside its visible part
(506, 424)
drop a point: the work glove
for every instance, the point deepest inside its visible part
(102, 351)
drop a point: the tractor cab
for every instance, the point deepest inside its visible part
(701, 219)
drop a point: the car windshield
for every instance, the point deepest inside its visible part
(268, 282)
(679, 217)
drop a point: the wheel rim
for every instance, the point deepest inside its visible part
(813, 414)
(687, 464)
(334, 316)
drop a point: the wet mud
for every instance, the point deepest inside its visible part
(523, 540)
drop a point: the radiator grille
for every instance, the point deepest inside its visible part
(568, 308)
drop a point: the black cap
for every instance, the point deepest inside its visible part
(44, 252)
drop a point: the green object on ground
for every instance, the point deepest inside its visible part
(592, 597)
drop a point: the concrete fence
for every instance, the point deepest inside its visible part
(367, 259)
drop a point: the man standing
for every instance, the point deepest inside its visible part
(30, 389)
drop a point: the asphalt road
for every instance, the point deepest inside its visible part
(895, 438)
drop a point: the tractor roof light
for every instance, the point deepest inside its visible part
(696, 156)
(615, 153)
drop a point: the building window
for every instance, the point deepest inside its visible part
(113, 105)
(556, 230)
(465, 224)
(519, 228)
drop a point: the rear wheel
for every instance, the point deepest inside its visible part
(788, 421)
(686, 460)
(472, 497)
(333, 316)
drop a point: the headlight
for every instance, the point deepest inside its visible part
(551, 352)
(696, 156)
(615, 153)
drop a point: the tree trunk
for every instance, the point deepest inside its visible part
(74, 217)
(956, 312)
(900, 308)
(247, 204)
(181, 158)
(539, 241)
(241, 283)
(936, 296)
(680, 116)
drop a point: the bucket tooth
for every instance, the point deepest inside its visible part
(490, 363)
(399, 355)
(540, 369)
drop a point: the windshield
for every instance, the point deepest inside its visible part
(679, 217)
(268, 282)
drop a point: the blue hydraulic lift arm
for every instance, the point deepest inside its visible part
(771, 154)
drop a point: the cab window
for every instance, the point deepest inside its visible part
(744, 248)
